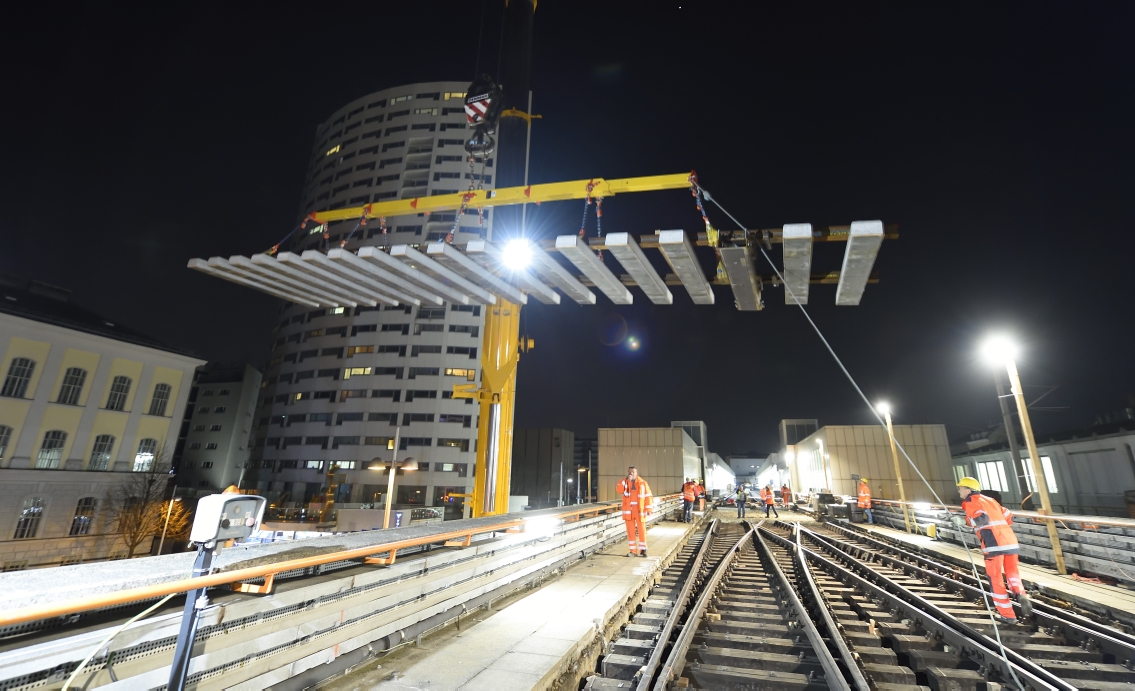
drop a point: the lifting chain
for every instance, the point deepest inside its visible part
(712, 235)
(475, 185)
(361, 224)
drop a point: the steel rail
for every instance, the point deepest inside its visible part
(682, 644)
(844, 652)
(1120, 643)
(832, 674)
(919, 607)
(680, 606)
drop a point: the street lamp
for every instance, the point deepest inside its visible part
(999, 350)
(588, 471)
(379, 465)
(169, 509)
(885, 409)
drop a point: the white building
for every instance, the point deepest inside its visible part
(84, 402)
(218, 442)
(340, 381)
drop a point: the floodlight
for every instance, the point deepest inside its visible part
(517, 254)
(998, 350)
(883, 408)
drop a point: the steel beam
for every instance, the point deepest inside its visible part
(797, 240)
(578, 253)
(680, 255)
(624, 248)
(863, 244)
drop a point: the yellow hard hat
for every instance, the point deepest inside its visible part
(863, 479)
(970, 482)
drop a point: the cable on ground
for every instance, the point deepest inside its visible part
(973, 566)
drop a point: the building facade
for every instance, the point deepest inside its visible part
(665, 456)
(543, 467)
(83, 404)
(218, 440)
(339, 382)
(1088, 471)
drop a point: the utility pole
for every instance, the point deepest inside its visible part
(1014, 448)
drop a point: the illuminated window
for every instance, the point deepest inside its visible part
(345, 465)
(425, 111)
(991, 475)
(73, 381)
(336, 310)
(353, 350)
(469, 374)
(160, 399)
(313, 465)
(462, 444)
(388, 442)
(1049, 475)
(454, 94)
(144, 459)
(30, 514)
(84, 516)
(355, 371)
(100, 452)
(19, 375)
(319, 228)
(332, 150)
(51, 451)
(400, 99)
(119, 391)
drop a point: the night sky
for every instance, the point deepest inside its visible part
(999, 136)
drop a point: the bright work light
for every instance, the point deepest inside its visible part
(998, 350)
(883, 408)
(517, 254)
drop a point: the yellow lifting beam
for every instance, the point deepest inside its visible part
(547, 192)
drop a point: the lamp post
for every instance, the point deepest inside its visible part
(588, 471)
(408, 464)
(169, 510)
(885, 409)
(999, 350)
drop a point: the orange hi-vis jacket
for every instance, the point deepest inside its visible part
(768, 496)
(786, 494)
(690, 491)
(864, 499)
(990, 522)
(636, 497)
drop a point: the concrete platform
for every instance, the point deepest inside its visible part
(532, 642)
(1110, 596)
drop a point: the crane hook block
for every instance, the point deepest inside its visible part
(483, 102)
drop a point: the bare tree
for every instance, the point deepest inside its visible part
(138, 507)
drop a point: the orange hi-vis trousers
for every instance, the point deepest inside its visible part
(635, 524)
(996, 566)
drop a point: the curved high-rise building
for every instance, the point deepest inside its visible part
(340, 381)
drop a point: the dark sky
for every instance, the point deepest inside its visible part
(999, 136)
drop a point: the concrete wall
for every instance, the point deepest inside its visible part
(663, 456)
(539, 456)
(864, 450)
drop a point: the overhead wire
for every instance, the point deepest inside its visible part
(875, 413)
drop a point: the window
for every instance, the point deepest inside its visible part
(100, 452)
(207, 464)
(306, 374)
(214, 428)
(425, 350)
(84, 516)
(355, 371)
(420, 393)
(226, 392)
(396, 372)
(392, 418)
(203, 409)
(313, 465)
(161, 399)
(465, 420)
(1049, 475)
(325, 395)
(119, 390)
(29, 518)
(292, 441)
(423, 372)
(459, 350)
(431, 313)
(454, 94)
(393, 394)
(388, 442)
(420, 329)
(365, 328)
(195, 445)
(353, 350)
(992, 476)
(407, 442)
(393, 349)
(352, 393)
(207, 392)
(211, 446)
(51, 452)
(144, 459)
(469, 374)
(403, 329)
(220, 409)
(345, 465)
(73, 380)
(349, 417)
(399, 99)
(462, 444)
(464, 329)
(316, 441)
(325, 418)
(344, 441)
(198, 428)
(407, 418)
(19, 376)
(337, 352)
(5, 439)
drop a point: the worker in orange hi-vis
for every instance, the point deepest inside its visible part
(864, 499)
(998, 544)
(769, 498)
(637, 500)
(689, 495)
(701, 496)
(786, 495)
